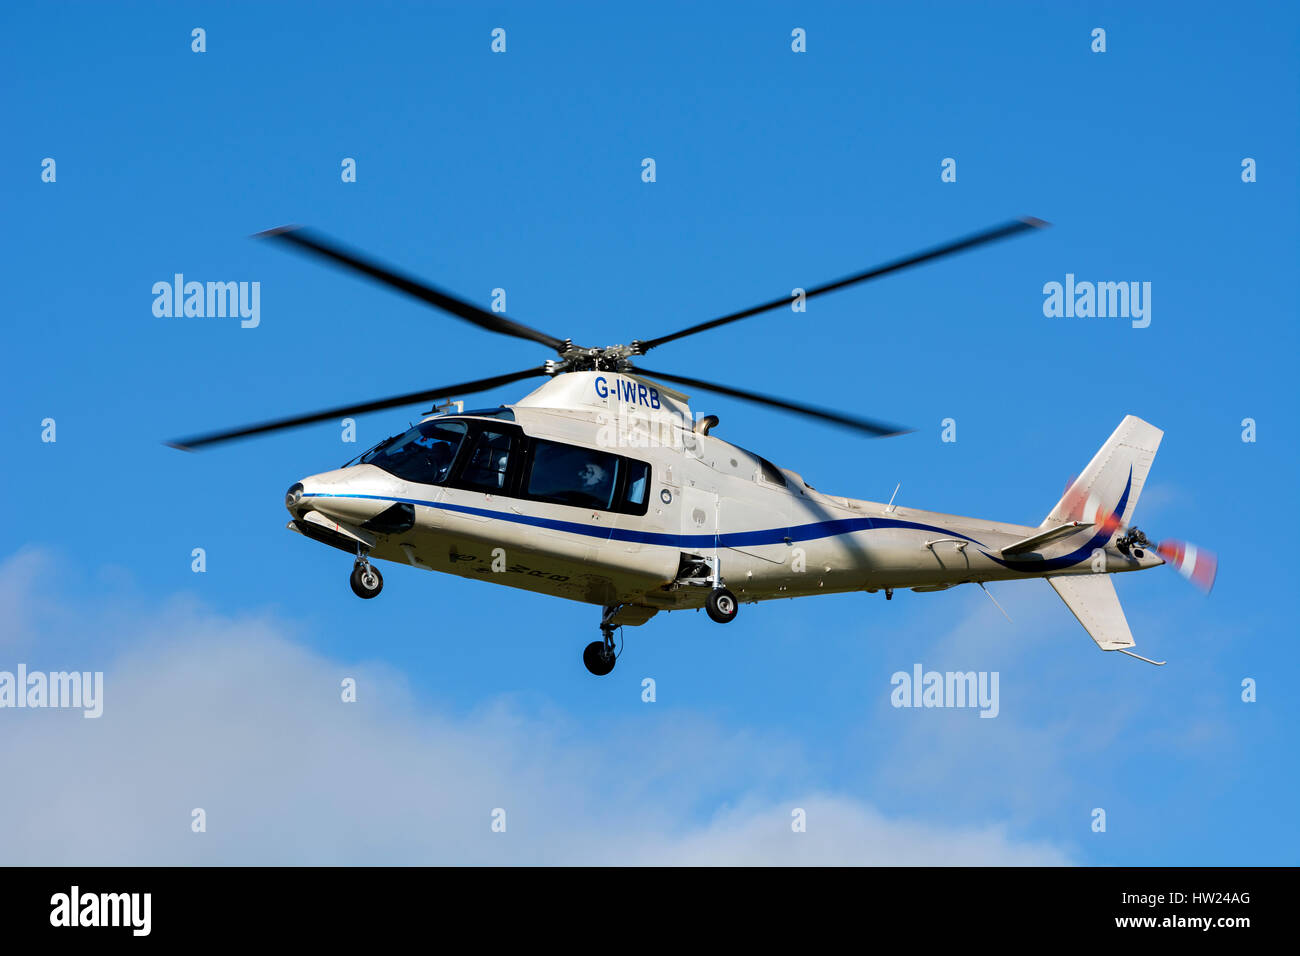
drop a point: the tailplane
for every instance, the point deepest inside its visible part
(1092, 599)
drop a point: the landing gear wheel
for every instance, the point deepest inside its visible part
(722, 605)
(598, 658)
(366, 580)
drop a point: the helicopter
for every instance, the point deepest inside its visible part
(603, 486)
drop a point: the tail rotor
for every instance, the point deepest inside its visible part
(1197, 565)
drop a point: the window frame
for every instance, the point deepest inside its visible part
(476, 428)
(631, 507)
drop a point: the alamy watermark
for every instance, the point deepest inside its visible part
(53, 689)
(128, 910)
(922, 688)
(208, 300)
(1102, 300)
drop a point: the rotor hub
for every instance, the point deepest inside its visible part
(611, 358)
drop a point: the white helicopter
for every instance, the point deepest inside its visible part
(602, 486)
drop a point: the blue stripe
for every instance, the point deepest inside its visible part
(737, 539)
(1098, 540)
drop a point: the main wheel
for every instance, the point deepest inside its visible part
(722, 605)
(366, 581)
(599, 661)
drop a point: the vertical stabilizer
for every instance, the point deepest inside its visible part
(1116, 474)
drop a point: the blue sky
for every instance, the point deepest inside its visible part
(774, 170)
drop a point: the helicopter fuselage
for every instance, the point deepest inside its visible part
(602, 488)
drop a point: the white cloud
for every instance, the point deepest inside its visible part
(235, 716)
(844, 831)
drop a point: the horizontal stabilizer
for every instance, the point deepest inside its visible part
(1092, 599)
(1036, 541)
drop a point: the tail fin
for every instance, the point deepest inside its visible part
(1107, 491)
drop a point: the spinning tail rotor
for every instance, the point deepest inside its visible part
(1195, 564)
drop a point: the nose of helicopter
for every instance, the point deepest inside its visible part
(353, 495)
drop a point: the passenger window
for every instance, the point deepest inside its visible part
(488, 462)
(567, 475)
(638, 481)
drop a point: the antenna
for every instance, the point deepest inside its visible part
(1141, 658)
(890, 506)
(994, 600)
(448, 406)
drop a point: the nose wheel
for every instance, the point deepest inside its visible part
(366, 580)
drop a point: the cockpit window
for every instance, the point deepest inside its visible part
(424, 454)
(488, 462)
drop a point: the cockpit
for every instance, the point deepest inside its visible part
(424, 454)
(497, 458)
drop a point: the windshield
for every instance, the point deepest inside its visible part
(424, 454)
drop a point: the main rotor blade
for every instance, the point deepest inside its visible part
(938, 252)
(492, 321)
(875, 429)
(464, 388)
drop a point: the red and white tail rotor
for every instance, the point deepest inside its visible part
(1195, 564)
